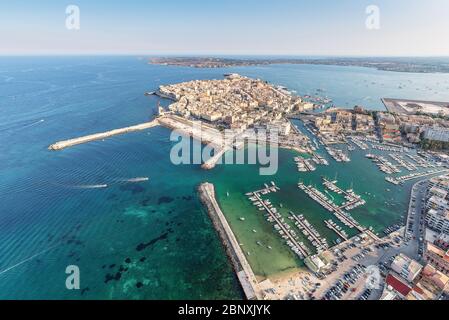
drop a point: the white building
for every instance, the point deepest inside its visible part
(438, 220)
(408, 268)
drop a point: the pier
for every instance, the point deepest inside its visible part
(407, 165)
(344, 217)
(383, 164)
(100, 136)
(197, 130)
(400, 180)
(333, 227)
(302, 250)
(362, 145)
(353, 200)
(241, 266)
(310, 231)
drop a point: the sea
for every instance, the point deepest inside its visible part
(127, 218)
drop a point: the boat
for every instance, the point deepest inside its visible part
(242, 219)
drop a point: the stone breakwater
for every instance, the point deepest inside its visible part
(241, 266)
(99, 136)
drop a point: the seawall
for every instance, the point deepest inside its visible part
(60, 145)
(241, 266)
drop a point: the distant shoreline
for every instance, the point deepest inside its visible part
(407, 65)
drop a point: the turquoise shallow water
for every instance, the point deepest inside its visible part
(153, 239)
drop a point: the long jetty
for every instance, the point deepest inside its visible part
(99, 136)
(241, 266)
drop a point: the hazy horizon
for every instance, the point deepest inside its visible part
(323, 28)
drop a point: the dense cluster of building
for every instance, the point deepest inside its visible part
(437, 205)
(390, 127)
(236, 102)
(428, 281)
(412, 128)
(409, 280)
(342, 121)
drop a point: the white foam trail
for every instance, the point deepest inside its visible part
(34, 123)
(26, 260)
(93, 186)
(139, 179)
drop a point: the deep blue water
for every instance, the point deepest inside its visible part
(50, 217)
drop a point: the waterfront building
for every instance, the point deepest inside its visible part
(438, 220)
(408, 268)
(438, 192)
(441, 182)
(317, 263)
(437, 134)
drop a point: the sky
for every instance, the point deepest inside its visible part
(226, 27)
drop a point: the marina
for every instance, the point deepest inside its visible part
(337, 229)
(405, 164)
(383, 164)
(304, 165)
(273, 216)
(338, 154)
(384, 147)
(324, 201)
(352, 199)
(359, 143)
(309, 231)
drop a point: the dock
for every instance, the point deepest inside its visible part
(60, 145)
(353, 200)
(333, 227)
(344, 217)
(241, 266)
(304, 225)
(400, 180)
(301, 248)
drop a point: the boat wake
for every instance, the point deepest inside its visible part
(135, 180)
(33, 124)
(93, 186)
(26, 260)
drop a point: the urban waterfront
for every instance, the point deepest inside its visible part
(152, 239)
